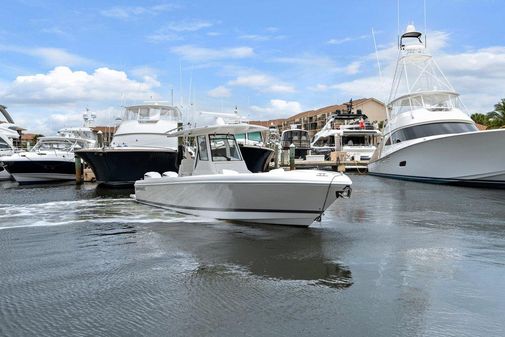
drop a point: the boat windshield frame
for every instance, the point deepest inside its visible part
(151, 113)
(428, 100)
(68, 144)
(229, 144)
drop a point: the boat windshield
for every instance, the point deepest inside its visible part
(151, 113)
(432, 129)
(300, 138)
(58, 145)
(255, 137)
(356, 140)
(433, 101)
(224, 148)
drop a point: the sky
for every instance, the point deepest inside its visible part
(270, 59)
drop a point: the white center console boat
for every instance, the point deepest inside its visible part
(217, 184)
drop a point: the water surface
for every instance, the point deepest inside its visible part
(397, 259)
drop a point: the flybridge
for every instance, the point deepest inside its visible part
(418, 81)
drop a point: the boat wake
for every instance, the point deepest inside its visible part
(82, 212)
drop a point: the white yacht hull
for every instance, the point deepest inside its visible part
(290, 198)
(474, 158)
(36, 178)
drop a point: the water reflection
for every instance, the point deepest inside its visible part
(269, 252)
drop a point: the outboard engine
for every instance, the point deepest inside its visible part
(151, 175)
(170, 174)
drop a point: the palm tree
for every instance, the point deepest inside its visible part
(497, 117)
(480, 118)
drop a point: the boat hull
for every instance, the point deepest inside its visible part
(468, 159)
(256, 158)
(121, 167)
(35, 171)
(288, 199)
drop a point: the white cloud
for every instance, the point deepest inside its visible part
(49, 120)
(278, 107)
(170, 31)
(320, 63)
(163, 36)
(195, 53)
(263, 83)
(56, 31)
(62, 86)
(189, 25)
(353, 68)
(347, 39)
(220, 91)
(128, 12)
(50, 56)
(259, 37)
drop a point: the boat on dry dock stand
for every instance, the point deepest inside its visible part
(216, 183)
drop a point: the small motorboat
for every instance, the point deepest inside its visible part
(216, 183)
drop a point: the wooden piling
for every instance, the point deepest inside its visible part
(78, 170)
(292, 156)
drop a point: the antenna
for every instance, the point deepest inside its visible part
(190, 103)
(425, 28)
(377, 54)
(398, 20)
(180, 83)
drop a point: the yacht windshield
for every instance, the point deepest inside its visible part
(434, 101)
(53, 145)
(299, 138)
(151, 113)
(432, 129)
(224, 147)
(254, 136)
(356, 140)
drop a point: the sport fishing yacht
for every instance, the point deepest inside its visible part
(139, 145)
(217, 184)
(428, 137)
(51, 159)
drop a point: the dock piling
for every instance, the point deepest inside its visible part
(292, 156)
(78, 170)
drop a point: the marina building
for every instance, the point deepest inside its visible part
(314, 120)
